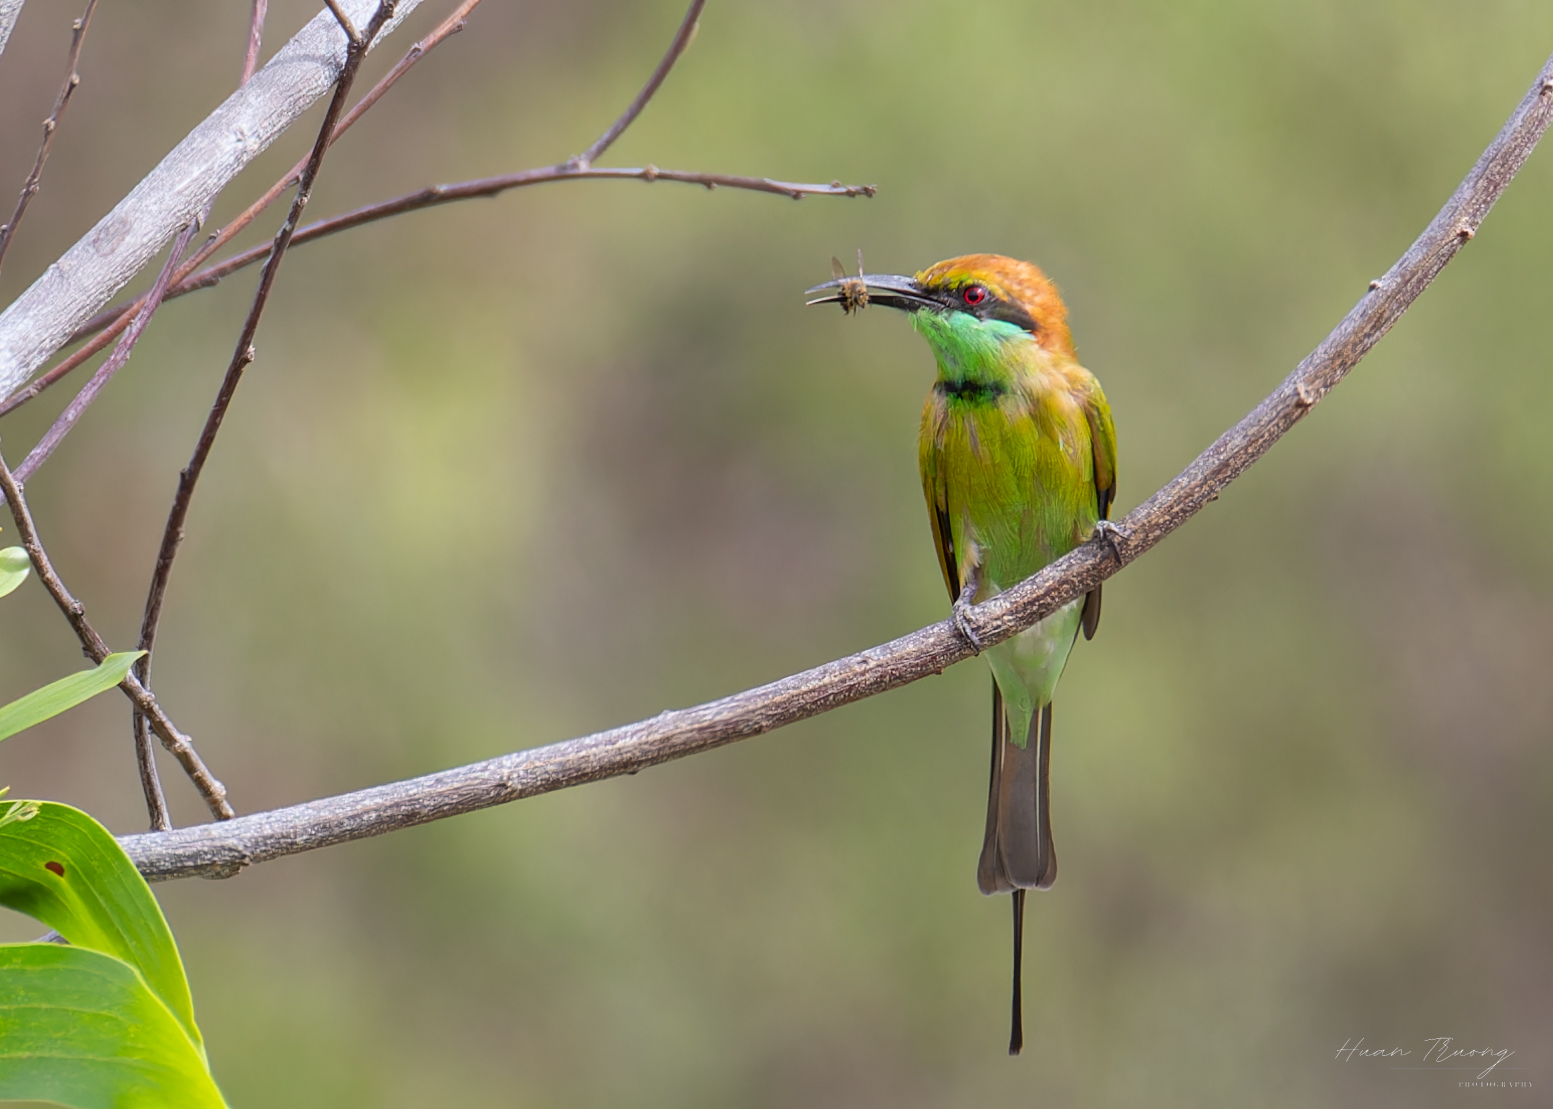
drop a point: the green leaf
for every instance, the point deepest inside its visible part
(63, 868)
(66, 693)
(81, 1028)
(14, 568)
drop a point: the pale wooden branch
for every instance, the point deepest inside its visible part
(223, 849)
(175, 193)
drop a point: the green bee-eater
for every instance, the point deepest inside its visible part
(1018, 458)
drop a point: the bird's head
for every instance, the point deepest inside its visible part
(976, 297)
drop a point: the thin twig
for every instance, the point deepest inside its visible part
(434, 195)
(50, 128)
(345, 23)
(681, 43)
(255, 38)
(95, 649)
(145, 756)
(220, 850)
(117, 317)
(111, 365)
(150, 781)
(188, 478)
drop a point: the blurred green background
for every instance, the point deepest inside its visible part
(516, 470)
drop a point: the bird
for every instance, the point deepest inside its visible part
(1018, 458)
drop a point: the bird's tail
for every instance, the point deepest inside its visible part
(1017, 853)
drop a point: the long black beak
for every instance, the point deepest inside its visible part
(890, 290)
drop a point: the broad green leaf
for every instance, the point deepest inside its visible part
(63, 868)
(14, 567)
(66, 693)
(81, 1028)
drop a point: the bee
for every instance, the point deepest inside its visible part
(854, 292)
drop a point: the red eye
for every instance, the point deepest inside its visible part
(974, 294)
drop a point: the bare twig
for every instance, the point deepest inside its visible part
(431, 197)
(117, 317)
(345, 23)
(114, 362)
(681, 43)
(255, 38)
(95, 649)
(145, 764)
(242, 357)
(174, 193)
(50, 128)
(218, 850)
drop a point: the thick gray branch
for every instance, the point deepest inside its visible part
(224, 848)
(175, 193)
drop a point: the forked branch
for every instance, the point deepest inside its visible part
(174, 194)
(95, 649)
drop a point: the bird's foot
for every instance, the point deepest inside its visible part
(1114, 537)
(962, 623)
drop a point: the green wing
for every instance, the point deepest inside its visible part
(1102, 440)
(935, 488)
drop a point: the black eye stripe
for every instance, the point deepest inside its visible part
(986, 306)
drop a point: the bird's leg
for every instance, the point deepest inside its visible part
(1111, 533)
(966, 599)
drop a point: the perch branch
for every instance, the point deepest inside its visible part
(175, 741)
(223, 849)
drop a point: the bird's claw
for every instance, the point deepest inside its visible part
(1110, 534)
(962, 624)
